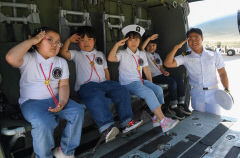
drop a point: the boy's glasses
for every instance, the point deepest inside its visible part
(51, 41)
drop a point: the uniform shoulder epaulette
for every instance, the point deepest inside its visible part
(186, 53)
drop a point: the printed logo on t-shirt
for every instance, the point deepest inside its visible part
(157, 61)
(57, 72)
(141, 62)
(99, 60)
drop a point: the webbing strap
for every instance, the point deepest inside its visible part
(233, 152)
(199, 149)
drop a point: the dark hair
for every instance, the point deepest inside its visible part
(87, 30)
(44, 28)
(145, 37)
(153, 41)
(132, 34)
(37, 31)
(194, 30)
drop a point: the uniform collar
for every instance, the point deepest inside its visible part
(197, 54)
(41, 59)
(150, 54)
(89, 53)
(131, 53)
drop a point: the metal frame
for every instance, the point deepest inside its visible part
(139, 20)
(121, 19)
(65, 24)
(31, 18)
(64, 21)
(106, 21)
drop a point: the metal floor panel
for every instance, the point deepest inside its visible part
(196, 129)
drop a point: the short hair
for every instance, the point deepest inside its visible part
(37, 31)
(44, 28)
(133, 34)
(156, 41)
(86, 30)
(153, 41)
(194, 30)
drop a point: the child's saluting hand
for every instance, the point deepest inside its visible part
(74, 38)
(122, 42)
(38, 38)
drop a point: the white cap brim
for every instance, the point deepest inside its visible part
(224, 99)
(135, 28)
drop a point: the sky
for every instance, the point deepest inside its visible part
(206, 10)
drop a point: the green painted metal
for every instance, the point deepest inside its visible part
(1, 152)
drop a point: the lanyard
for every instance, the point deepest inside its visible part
(92, 68)
(138, 67)
(47, 83)
(154, 62)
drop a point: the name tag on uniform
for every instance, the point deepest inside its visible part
(193, 60)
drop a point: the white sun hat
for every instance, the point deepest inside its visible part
(135, 28)
(224, 99)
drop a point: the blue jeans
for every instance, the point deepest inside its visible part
(175, 87)
(44, 122)
(151, 93)
(98, 97)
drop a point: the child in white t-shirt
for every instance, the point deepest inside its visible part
(94, 86)
(44, 93)
(176, 108)
(132, 62)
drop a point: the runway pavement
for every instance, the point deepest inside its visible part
(232, 65)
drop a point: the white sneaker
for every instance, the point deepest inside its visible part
(167, 124)
(57, 152)
(110, 133)
(132, 125)
(156, 121)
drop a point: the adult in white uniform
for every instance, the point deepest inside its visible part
(202, 66)
(44, 94)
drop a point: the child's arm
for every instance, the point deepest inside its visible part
(107, 74)
(112, 55)
(153, 37)
(64, 51)
(165, 73)
(63, 95)
(15, 55)
(147, 73)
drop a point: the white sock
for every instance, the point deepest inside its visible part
(174, 106)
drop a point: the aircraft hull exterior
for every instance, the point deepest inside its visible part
(224, 29)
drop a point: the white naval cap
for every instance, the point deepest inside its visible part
(135, 28)
(224, 98)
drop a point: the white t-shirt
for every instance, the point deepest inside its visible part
(202, 68)
(84, 71)
(32, 84)
(128, 71)
(154, 62)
